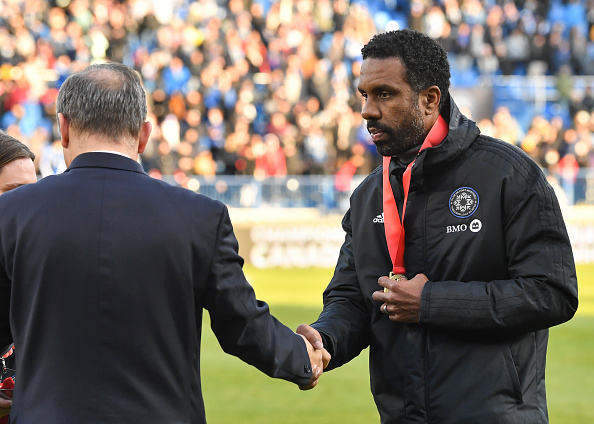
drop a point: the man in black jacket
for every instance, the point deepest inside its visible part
(486, 267)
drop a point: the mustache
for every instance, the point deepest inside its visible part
(377, 126)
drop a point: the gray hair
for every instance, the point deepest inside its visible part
(105, 99)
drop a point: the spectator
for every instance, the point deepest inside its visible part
(225, 62)
(16, 165)
(270, 158)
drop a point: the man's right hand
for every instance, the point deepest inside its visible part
(312, 335)
(315, 358)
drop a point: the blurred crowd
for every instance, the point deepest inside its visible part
(268, 87)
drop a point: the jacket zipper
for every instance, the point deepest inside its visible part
(425, 337)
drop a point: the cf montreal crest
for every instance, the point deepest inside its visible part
(463, 202)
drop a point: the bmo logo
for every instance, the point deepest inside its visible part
(475, 226)
(456, 228)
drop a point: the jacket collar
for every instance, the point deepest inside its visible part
(462, 133)
(105, 160)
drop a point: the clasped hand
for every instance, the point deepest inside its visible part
(318, 355)
(402, 301)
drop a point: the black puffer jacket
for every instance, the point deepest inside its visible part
(485, 227)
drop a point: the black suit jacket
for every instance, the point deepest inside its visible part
(104, 273)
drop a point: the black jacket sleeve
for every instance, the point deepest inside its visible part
(542, 287)
(242, 324)
(344, 321)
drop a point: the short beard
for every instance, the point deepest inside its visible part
(405, 139)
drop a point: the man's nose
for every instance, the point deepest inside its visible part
(370, 111)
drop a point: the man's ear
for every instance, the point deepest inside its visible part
(430, 98)
(64, 130)
(144, 135)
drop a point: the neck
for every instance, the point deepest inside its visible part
(408, 156)
(92, 143)
(434, 134)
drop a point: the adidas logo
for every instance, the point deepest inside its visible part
(379, 219)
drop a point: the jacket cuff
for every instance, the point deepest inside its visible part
(425, 297)
(329, 344)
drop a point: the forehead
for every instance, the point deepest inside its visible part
(387, 71)
(18, 172)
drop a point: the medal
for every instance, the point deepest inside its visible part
(395, 277)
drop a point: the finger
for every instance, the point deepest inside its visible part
(311, 334)
(380, 296)
(319, 358)
(319, 369)
(326, 358)
(309, 347)
(313, 382)
(310, 385)
(315, 358)
(385, 282)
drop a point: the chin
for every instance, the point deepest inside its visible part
(386, 151)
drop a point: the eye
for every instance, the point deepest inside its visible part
(384, 95)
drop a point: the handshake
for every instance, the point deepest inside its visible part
(318, 355)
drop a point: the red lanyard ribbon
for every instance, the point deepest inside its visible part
(393, 225)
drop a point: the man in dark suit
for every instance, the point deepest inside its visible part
(105, 272)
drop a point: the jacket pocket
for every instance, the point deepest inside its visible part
(513, 375)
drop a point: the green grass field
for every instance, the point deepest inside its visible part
(237, 393)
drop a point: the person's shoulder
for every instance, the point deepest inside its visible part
(506, 153)
(26, 192)
(373, 180)
(188, 197)
(14, 202)
(504, 149)
(498, 146)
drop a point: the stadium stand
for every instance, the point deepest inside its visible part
(258, 91)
